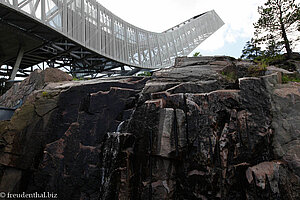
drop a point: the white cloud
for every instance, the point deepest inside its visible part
(230, 37)
(214, 42)
(159, 15)
(238, 16)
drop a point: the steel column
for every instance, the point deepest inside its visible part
(17, 64)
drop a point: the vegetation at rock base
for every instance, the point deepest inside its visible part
(197, 54)
(145, 73)
(77, 79)
(45, 94)
(258, 70)
(230, 76)
(286, 78)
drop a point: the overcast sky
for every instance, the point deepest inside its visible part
(159, 15)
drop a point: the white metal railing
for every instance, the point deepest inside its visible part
(91, 25)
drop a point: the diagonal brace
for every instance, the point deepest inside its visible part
(17, 64)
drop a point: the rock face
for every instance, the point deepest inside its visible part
(65, 118)
(202, 129)
(36, 81)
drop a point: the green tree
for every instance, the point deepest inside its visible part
(273, 48)
(277, 19)
(251, 50)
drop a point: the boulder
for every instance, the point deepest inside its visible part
(36, 81)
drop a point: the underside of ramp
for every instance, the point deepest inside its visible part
(85, 38)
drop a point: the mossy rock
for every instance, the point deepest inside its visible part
(3, 130)
(22, 117)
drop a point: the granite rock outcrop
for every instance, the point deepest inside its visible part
(207, 128)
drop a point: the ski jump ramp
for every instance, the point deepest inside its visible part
(85, 37)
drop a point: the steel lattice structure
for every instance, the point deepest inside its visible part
(85, 35)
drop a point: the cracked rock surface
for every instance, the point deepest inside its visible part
(203, 129)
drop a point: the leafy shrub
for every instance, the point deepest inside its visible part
(145, 73)
(77, 79)
(45, 94)
(278, 58)
(258, 70)
(196, 54)
(290, 78)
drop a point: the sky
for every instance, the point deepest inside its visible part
(160, 15)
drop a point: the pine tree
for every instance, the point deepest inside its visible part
(277, 19)
(251, 50)
(273, 48)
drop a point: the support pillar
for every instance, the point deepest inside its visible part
(16, 67)
(17, 64)
(122, 70)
